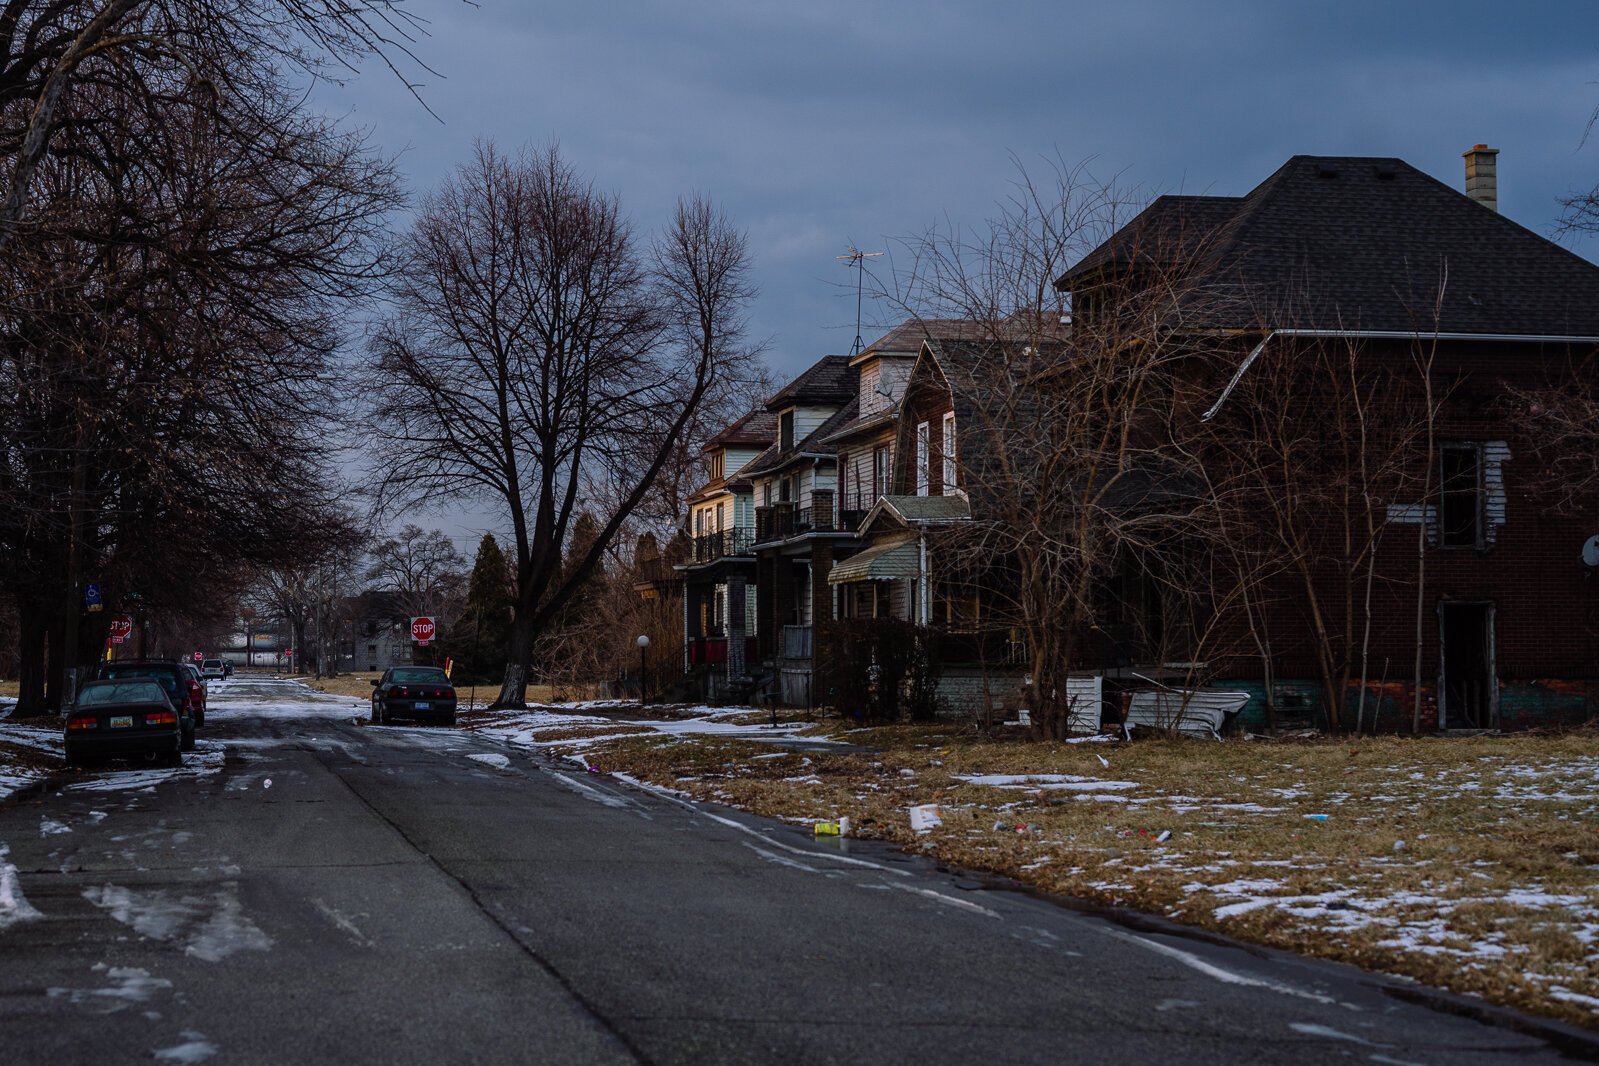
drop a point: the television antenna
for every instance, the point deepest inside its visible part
(857, 258)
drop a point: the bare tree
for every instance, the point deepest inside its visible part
(539, 359)
(422, 569)
(51, 49)
(167, 318)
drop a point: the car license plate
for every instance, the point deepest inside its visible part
(424, 706)
(122, 721)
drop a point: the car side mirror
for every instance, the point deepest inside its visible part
(374, 682)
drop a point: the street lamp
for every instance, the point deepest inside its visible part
(643, 646)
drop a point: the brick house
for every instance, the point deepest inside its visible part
(1438, 290)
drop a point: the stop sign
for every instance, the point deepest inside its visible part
(199, 656)
(121, 627)
(422, 629)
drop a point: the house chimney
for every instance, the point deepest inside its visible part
(1482, 175)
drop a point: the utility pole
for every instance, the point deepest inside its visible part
(74, 604)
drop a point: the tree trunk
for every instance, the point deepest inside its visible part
(31, 662)
(518, 663)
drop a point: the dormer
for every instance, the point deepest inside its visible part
(885, 364)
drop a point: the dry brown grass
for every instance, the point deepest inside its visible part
(1467, 863)
(13, 689)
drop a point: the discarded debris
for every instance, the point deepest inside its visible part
(1165, 835)
(827, 829)
(1317, 817)
(925, 818)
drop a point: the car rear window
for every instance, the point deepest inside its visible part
(121, 692)
(419, 674)
(212, 664)
(166, 676)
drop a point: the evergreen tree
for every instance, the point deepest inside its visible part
(480, 633)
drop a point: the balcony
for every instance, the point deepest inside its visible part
(779, 521)
(850, 519)
(729, 543)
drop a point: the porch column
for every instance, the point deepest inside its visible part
(736, 666)
(765, 605)
(821, 589)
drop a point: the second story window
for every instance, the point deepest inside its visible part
(949, 453)
(882, 471)
(785, 430)
(721, 517)
(1460, 496)
(718, 464)
(923, 458)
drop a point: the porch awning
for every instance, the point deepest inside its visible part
(880, 562)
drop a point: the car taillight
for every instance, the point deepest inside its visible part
(401, 691)
(77, 725)
(194, 687)
(160, 718)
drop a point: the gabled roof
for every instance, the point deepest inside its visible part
(906, 511)
(756, 429)
(814, 444)
(905, 340)
(1349, 242)
(829, 380)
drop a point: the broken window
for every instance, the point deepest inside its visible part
(1460, 496)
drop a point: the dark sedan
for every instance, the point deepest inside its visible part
(130, 717)
(417, 693)
(178, 686)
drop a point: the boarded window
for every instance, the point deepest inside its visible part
(1460, 503)
(785, 430)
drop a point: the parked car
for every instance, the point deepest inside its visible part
(213, 669)
(179, 688)
(418, 693)
(127, 716)
(196, 688)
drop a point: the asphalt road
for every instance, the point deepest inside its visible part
(332, 892)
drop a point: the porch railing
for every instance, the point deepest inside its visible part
(713, 546)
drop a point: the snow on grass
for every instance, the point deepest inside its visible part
(491, 758)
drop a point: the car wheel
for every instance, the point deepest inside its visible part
(172, 758)
(187, 743)
(377, 714)
(199, 719)
(450, 721)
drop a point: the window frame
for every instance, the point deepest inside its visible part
(949, 484)
(1478, 494)
(924, 436)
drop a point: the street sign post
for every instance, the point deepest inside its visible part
(422, 630)
(91, 597)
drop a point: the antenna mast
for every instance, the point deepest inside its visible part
(857, 258)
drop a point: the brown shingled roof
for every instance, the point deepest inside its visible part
(1344, 242)
(829, 380)
(757, 428)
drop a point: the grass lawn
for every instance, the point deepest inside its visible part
(1472, 864)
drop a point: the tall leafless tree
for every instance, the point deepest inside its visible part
(541, 359)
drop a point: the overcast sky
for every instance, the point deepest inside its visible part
(821, 123)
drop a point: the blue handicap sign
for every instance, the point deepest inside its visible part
(91, 594)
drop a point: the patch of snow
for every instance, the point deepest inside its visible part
(130, 985)
(195, 1048)
(1069, 782)
(491, 758)
(14, 906)
(49, 827)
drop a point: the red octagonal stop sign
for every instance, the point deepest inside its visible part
(422, 629)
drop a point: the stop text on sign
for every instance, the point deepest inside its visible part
(422, 629)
